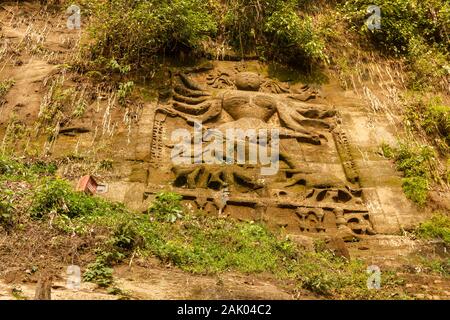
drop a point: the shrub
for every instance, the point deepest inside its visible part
(99, 273)
(428, 65)
(14, 169)
(134, 32)
(167, 206)
(415, 29)
(138, 33)
(436, 120)
(403, 21)
(438, 227)
(415, 160)
(42, 168)
(126, 237)
(439, 266)
(419, 165)
(10, 167)
(123, 239)
(274, 29)
(416, 189)
(294, 37)
(6, 214)
(57, 196)
(387, 150)
(4, 88)
(432, 117)
(124, 91)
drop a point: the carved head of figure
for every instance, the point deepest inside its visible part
(249, 104)
(248, 81)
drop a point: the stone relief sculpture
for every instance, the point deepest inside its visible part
(319, 200)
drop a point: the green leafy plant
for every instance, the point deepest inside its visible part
(438, 227)
(274, 29)
(414, 29)
(418, 163)
(79, 109)
(431, 116)
(438, 266)
(294, 36)
(17, 169)
(98, 272)
(56, 195)
(53, 106)
(387, 150)
(10, 167)
(6, 213)
(126, 237)
(43, 168)
(130, 34)
(436, 120)
(124, 91)
(4, 87)
(116, 67)
(416, 189)
(138, 33)
(167, 206)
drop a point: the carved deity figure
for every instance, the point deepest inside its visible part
(303, 195)
(251, 102)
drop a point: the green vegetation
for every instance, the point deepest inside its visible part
(134, 37)
(416, 189)
(15, 131)
(432, 117)
(419, 165)
(273, 29)
(167, 207)
(6, 209)
(4, 88)
(52, 107)
(124, 91)
(204, 244)
(437, 120)
(404, 21)
(20, 170)
(137, 34)
(326, 274)
(134, 33)
(414, 29)
(438, 266)
(98, 272)
(196, 243)
(438, 227)
(56, 196)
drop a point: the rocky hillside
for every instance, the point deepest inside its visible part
(353, 95)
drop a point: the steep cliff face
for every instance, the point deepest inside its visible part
(331, 176)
